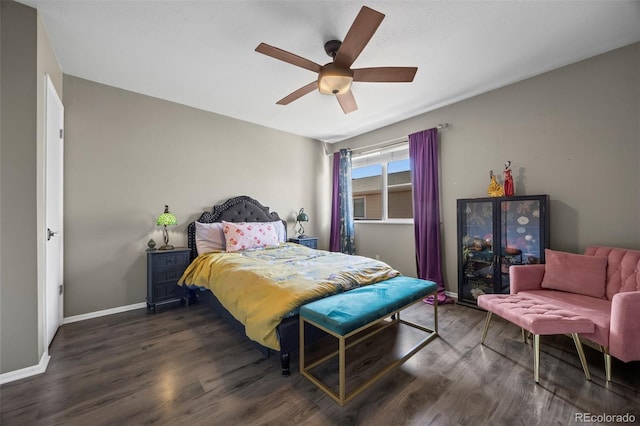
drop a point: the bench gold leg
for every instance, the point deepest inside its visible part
(536, 357)
(583, 360)
(435, 313)
(486, 327)
(341, 371)
(524, 338)
(302, 366)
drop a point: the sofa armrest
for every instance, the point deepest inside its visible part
(525, 277)
(624, 343)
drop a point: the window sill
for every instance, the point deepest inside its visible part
(386, 222)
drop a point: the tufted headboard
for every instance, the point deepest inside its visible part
(237, 209)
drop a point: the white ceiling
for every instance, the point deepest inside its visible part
(201, 53)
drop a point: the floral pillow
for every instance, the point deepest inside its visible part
(249, 235)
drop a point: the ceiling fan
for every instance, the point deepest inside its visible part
(336, 77)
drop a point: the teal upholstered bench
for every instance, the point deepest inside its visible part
(348, 314)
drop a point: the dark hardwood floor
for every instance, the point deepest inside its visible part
(183, 366)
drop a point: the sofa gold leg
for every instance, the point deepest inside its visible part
(583, 360)
(607, 362)
(536, 358)
(486, 327)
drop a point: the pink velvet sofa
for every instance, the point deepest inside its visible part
(602, 285)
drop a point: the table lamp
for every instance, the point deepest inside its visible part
(302, 217)
(164, 220)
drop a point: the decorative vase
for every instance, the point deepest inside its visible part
(151, 244)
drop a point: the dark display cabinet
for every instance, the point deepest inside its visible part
(495, 233)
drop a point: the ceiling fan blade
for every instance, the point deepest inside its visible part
(347, 102)
(385, 74)
(361, 31)
(298, 93)
(288, 57)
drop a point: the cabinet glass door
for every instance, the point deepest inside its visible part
(521, 235)
(477, 269)
(520, 231)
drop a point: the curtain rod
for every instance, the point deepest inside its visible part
(392, 142)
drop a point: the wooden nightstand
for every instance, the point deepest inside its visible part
(164, 269)
(311, 242)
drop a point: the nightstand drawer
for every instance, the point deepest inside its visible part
(171, 259)
(169, 291)
(168, 275)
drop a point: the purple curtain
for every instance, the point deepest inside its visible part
(334, 238)
(423, 154)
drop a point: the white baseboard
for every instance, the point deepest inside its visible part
(96, 314)
(44, 361)
(23, 373)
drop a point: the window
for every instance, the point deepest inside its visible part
(381, 184)
(366, 184)
(359, 207)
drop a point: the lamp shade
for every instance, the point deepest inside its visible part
(167, 218)
(164, 220)
(302, 216)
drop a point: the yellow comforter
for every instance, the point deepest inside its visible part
(261, 287)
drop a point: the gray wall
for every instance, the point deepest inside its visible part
(127, 155)
(26, 56)
(18, 277)
(18, 247)
(572, 133)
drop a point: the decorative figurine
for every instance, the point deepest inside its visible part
(495, 189)
(151, 244)
(508, 180)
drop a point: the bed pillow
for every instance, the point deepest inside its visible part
(278, 225)
(249, 235)
(209, 237)
(280, 230)
(575, 273)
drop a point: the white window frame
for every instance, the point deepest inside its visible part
(364, 205)
(383, 156)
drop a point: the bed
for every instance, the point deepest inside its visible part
(296, 273)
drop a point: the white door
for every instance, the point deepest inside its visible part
(54, 149)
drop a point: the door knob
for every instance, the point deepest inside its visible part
(50, 234)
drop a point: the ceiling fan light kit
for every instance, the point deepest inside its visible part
(335, 78)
